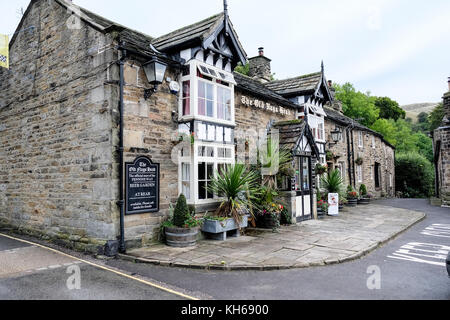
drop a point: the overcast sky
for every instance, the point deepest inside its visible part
(395, 48)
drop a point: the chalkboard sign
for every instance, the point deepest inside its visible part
(142, 186)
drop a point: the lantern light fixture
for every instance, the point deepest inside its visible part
(155, 71)
(336, 135)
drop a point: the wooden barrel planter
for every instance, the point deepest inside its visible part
(266, 222)
(364, 201)
(181, 237)
(352, 202)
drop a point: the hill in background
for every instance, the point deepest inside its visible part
(413, 110)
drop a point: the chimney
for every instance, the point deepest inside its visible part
(260, 67)
(330, 83)
(449, 84)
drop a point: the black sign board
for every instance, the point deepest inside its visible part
(142, 186)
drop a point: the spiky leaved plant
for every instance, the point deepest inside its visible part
(332, 182)
(181, 213)
(239, 187)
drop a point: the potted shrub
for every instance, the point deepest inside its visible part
(239, 189)
(359, 161)
(320, 169)
(322, 207)
(332, 182)
(352, 197)
(269, 216)
(182, 230)
(364, 199)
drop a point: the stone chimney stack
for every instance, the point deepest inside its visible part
(260, 67)
(447, 104)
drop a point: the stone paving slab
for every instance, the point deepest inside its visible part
(353, 234)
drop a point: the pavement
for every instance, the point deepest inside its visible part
(332, 240)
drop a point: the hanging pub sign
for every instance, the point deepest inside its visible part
(142, 186)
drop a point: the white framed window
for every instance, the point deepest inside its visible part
(372, 168)
(186, 180)
(320, 132)
(207, 93)
(360, 139)
(373, 142)
(390, 181)
(341, 168)
(359, 173)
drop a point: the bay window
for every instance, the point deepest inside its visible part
(207, 103)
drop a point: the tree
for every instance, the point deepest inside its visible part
(357, 105)
(387, 129)
(414, 175)
(436, 117)
(424, 145)
(389, 109)
(423, 123)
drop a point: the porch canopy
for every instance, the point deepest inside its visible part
(296, 136)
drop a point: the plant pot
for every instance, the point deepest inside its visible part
(364, 201)
(352, 202)
(341, 207)
(266, 222)
(218, 229)
(181, 237)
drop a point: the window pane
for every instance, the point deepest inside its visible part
(201, 171)
(210, 171)
(209, 91)
(305, 173)
(202, 131)
(211, 133)
(186, 98)
(210, 152)
(219, 134)
(227, 135)
(210, 106)
(201, 107)
(202, 190)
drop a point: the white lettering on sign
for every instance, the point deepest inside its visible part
(258, 104)
(429, 253)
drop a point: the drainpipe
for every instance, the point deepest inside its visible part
(353, 159)
(121, 203)
(349, 155)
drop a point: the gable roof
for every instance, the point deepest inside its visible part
(303, 84)
(344, 120)
(197, 31)
(291, 134)
(202, 33)
(254, 87)
(308, 84)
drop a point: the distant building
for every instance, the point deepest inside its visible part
(441, 141)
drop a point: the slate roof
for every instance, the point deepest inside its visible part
(256, 88)
(299, 85)
(344, 120)
(290, 133)
(197, 31)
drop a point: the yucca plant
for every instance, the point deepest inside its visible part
(239, 187)
(332, 182)
(273, 160)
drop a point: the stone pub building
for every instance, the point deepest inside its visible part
(86, 99)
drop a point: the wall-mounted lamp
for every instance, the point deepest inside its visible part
(336, 136)
(154, 71)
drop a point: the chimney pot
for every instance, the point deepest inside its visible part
(330, 83)
(448, 83)
(261, 51)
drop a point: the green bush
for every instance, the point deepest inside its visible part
(363, 190)
(414, 175)
(181, 213)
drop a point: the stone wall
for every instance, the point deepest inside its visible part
(442, 164)
(148, 130)
(55, 130)
(382, 154)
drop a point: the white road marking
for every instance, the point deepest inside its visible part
(437, 230)
(428, 253)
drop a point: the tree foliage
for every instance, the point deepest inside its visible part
(436, 117)
(389, 109)
(414, 175)
(357, 105)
